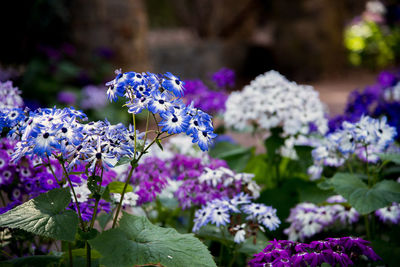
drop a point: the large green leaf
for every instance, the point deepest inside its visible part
(136, 242)
(45, 215)
(235, 155)
(363, 198)
(390, 157)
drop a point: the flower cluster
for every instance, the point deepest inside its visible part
(161, 94)
(224, 78)
(59, 132)
(390, 214)
(10, 96)
(272, 101)
(93, 97)
(343, 251)
(32, 176)
(366, 138)
(204, 98)
(242, 217)
(307, 219)
(380, 99)
(149, 179)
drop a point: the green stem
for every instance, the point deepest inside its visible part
(191, 219)
(2, 198)
(73, 192)
(367, 228)
(71, 263)
(88, 255)
(367, 165)
(128, 178)
(147, 126)
(96, 205)
(349, 166)
(221, 253)
(234, 257)
(52, 171)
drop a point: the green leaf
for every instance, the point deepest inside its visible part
(45, 215)
(92, 183)
(123, 161)
(274, 142)
(136, 242)
(104, 219)
(159, 144)
(260, 168)
(235, 155)
(83, 235)
(118, 187)
(33, 261)
(362, 198)
(395, 158)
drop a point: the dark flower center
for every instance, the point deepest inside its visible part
(98, 155)
(46, 135)
(174, 119)
(177, 82)
(161, 101)
(64, 130)
(204, 133)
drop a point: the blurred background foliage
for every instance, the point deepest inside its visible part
(53, 46)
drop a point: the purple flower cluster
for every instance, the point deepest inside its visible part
(201, 182)
(32, 176)
(93, 97)
(10, 96)
(344, 251)
(149, 179)
(307, 219)
(201, 96)
(67, 98)
(224, 78)
(380, 99)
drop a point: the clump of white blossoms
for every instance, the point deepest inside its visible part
(272, 101)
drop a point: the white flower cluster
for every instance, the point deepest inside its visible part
(10, 96)
(271, 101)
(228, 178)
(366, 139)
(307, 219)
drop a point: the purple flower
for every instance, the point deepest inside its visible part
(386, 79)
(93, 97)
(224, 78)
(66, 97)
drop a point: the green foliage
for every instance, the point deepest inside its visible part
(258, 165)
(137, 241)
(235, 155)
(360, 196)
(395, 158)
(273, 143)
(45, 215)
(212, 232)
(32, 261)
(117, 187)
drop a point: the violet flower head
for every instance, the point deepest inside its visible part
(344, 251)
(386, 79)
(224, 78)
(93, 97)
(67, 98)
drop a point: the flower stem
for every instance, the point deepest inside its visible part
(52, 171)
(191, 218)
(71, 263)
(73, 192)
(96, 205)
(128, 178)
(367, 228)
(88, 255)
